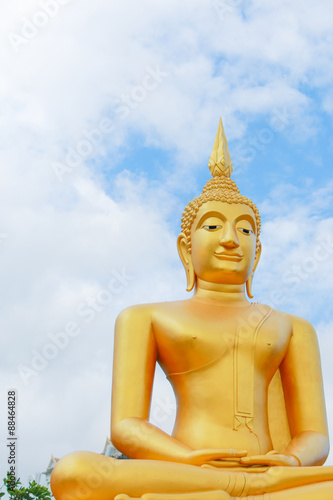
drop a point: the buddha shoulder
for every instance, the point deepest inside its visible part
(143, 315)
(302, 329)
(296, 323)
(297, 332)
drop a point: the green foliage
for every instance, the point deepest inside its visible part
(16, 491)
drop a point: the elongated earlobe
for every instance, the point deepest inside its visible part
(249, 281)
(249, 286)
(186, 259)
(190, 277)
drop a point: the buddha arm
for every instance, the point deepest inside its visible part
(304, 396)
(135, 355)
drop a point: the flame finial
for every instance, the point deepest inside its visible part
(220, 163)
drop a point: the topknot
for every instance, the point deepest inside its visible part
(219, 188)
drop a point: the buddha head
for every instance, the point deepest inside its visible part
(219, 242)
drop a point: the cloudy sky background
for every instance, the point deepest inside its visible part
(108, 114)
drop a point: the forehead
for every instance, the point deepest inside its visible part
(225, 211)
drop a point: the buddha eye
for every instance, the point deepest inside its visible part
(245, 231)
(211, 228)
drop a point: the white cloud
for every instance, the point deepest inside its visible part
(74, 74)
(297, 250)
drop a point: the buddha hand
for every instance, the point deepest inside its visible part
(201, 457)
(272, 458)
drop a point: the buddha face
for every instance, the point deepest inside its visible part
(223, 242)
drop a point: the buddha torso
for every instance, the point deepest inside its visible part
(220, 362)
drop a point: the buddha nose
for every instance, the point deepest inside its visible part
(229, 237)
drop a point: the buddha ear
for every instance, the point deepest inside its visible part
(257, 257)
(185, 257)
(250, 278)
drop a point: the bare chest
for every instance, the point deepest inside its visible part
(191, 340)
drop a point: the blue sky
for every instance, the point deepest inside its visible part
(108, 114)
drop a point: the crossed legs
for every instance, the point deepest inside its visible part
(89, 476)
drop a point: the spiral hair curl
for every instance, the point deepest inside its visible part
(219, 188)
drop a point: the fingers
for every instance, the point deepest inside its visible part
(125, 497)
(215, 454)
(256, 460)
(237, 453)
(219, 464)
(266, 460)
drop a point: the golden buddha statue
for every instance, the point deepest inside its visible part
(251, 419)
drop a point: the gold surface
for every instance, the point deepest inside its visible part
(220, 162)
(250, 407)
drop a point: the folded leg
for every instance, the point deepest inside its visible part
(320, 491)
(89, 476)
(207, 495)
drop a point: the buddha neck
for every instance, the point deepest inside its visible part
(223, 293)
